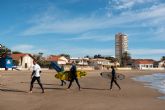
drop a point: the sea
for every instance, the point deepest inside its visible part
(155, 81)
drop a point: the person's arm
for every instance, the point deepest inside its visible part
(33, 73)
(114, 73)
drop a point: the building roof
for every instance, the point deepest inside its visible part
(144, 61)
(99, 59)
(18, 56)
(54, 58)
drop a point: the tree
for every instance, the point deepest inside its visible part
(112, 59)
(16, 52)
(98, 56)
(65, 55)
(44, 64)
(87, 56)
(126, 58)
(15, 62)
(4, 50)
(38, 56)
(163, 58)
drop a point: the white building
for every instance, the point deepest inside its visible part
(59, 59)
(161, 64)
(121, 45)
(80, 61)
(143, 64)
(24, 60)
(100, 63)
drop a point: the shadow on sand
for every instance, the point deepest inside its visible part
(12, 90)
(37, 83)
(88, 88)
(54, 88)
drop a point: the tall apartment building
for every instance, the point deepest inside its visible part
(121, 45)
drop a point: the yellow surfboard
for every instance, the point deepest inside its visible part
(66, 75)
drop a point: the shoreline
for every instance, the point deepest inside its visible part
(95, 93)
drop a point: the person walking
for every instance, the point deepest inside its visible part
(113, 79)
(36, 76)
(73, 75)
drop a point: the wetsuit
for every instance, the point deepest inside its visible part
(73, 76)
(113, 79)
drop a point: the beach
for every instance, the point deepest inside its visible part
(94, 95)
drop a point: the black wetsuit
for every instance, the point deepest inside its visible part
(73, 76)
(113, 79)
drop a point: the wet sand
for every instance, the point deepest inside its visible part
(94, 95)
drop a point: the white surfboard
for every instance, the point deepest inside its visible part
(108, 75)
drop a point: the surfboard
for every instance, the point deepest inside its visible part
(108, 75)
(66, 75)
(56, 66)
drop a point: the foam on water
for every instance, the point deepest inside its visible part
(155, 81)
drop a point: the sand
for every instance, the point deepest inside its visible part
(94, 95)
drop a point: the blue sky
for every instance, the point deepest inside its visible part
(83, 27)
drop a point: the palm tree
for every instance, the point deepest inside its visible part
(125, 59)
(163, 58)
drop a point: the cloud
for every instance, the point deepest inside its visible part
(91, 51)
(159, 33)
(148, 51)
(22, 47)
(73, 1)
(27, 48)
(76, 51)
(95, 36)
(127, 4)
(49, 23)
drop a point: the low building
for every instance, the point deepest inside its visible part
(23, 60)
(100, 63)
(161, 64)
(143, 64)
(80, 61)
(59, 59)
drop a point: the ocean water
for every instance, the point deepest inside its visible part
(155, 81)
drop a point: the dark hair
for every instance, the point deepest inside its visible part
(34, 60)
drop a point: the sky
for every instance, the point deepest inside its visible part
(83, 27)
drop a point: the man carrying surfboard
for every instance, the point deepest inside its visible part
(36, 76)
(73, 75)
(113, 79)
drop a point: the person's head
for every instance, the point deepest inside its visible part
(112, 67)
(73, 62)
(34, 62)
